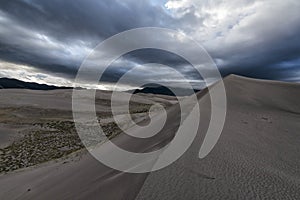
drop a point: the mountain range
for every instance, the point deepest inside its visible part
(8, 83)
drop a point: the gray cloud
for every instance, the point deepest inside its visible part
(247, 37)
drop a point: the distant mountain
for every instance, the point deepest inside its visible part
(8, 83)
(158, 89)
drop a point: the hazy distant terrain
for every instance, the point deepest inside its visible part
(257, 156)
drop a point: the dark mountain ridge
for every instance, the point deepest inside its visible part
(162, 90)
(9, 83)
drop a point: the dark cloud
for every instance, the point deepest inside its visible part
(145, 56)
(258, 38)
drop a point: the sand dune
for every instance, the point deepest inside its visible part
(257, 156)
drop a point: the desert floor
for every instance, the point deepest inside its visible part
(256, 157)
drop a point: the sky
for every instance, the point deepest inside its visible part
(46, 41)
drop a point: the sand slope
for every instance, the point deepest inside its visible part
(257, 157)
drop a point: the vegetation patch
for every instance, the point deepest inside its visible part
(53, 140)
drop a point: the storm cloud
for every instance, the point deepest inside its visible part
(255, 38)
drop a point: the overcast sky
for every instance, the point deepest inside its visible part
(46, 41)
